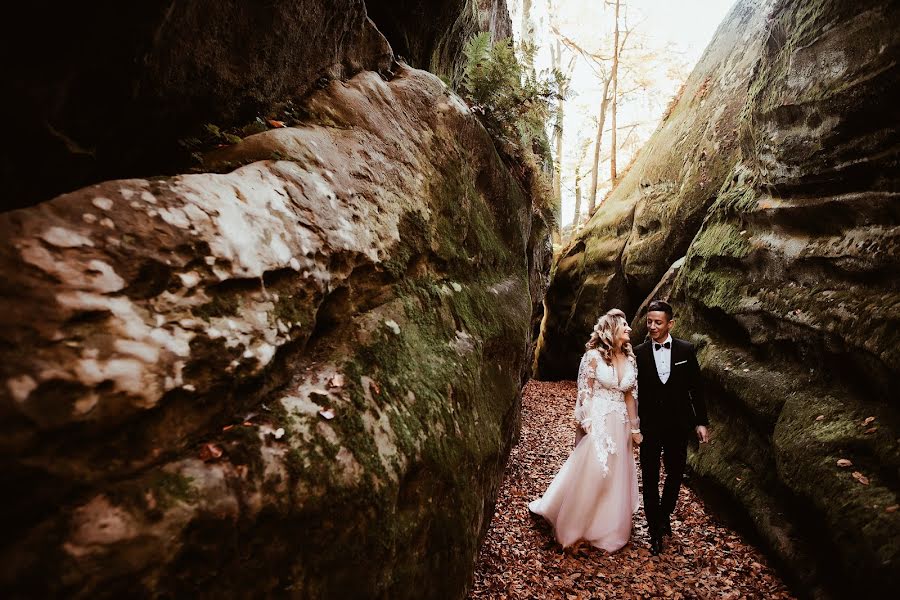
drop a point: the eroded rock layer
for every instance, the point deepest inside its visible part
(793, 277)
(300, 377)
(790, 289)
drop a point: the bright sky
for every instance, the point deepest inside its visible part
(668, 38)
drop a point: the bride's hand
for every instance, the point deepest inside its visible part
(637, 438)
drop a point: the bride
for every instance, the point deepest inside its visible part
(595, 493)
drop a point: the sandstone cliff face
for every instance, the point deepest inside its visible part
(298, 378)
(794, 278)
(108, 89)
(431, 35)
(790, 289)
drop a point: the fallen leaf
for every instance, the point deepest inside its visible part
(870, 430)
(327, 413)
(337, 380)
(860, 478)
(374, 386)
(278, 433)
(275, 123)
(247, 424)
(868, 420)
(892, 508)
(227, 427)
(843, 462)
(210, 452)
(820, 418)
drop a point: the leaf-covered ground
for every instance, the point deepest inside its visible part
(520, 558)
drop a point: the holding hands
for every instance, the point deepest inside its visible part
(702, 434)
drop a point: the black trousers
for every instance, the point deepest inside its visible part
(674, 456)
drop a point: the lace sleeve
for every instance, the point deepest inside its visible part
(636, 421)
(634, 390)
(586, 378)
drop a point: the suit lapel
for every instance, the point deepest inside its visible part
(651, 358)
(677, 357)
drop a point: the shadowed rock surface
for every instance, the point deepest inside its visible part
(789, 286)
(176, 349)
(107, 89)
(431, 35)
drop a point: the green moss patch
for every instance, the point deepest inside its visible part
(221, 305)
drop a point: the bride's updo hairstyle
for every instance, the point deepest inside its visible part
(607, 329)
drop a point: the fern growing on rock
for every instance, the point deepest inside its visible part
(514, 104)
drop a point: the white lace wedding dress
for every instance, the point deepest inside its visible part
(595, 493)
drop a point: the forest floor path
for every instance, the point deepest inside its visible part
(520, 559)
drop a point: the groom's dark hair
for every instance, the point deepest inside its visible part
(661, 306)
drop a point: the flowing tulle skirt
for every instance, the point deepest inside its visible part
(584, 504)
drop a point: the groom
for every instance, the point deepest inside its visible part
(671, 408)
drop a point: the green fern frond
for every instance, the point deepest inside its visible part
(515, 103)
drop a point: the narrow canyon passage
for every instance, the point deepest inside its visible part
(274, 275)
(520, 558)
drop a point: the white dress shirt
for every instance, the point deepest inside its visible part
(663, 359)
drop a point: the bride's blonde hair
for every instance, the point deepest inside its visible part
(605, 332)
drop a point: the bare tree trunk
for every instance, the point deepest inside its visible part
(557, 174)
(614, 99)
(601, 119)
(556, 59)
(576, 222)
(527, 37)
(556, 52)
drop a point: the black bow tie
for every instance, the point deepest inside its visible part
(667, 345)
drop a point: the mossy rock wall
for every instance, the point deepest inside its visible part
(782, 266)
(793, 281)
(648, 220)
(297, 378)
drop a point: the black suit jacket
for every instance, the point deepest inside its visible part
(676, 407)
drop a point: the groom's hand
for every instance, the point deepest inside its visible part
(702, 434)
